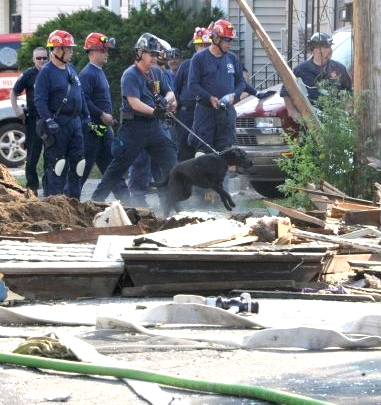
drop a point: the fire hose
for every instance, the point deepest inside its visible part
(240, 390)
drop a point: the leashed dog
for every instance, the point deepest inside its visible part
(207, 171)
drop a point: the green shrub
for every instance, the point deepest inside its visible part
(327, 152)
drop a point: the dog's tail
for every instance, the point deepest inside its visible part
(159, 184)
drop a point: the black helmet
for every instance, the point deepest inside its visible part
(320, 40)
(148, 42)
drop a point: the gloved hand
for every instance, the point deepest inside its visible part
(160, 112)
(225, 101)
(263, 94)
(51, 125)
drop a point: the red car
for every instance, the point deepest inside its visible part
(261, 125)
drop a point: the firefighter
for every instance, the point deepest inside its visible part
(318, 69)
(215, 72)
(186, 100)
(142, 86)
(99, 136)
(61, 105)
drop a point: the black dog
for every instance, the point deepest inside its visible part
(207, 171)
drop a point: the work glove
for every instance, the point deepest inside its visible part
(47, 131)
(225, 101)
(160, 113)
(263, 94)
(52, 126)
(96, 129)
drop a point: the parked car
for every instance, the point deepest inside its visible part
(12, 135)
(261, 125)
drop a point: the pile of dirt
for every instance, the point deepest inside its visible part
(20, 210)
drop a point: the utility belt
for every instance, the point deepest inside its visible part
(128, 116)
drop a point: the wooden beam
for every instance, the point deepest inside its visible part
(296, 214)
(369, 247)
(289, 80)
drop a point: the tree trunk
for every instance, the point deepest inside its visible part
(367, 80)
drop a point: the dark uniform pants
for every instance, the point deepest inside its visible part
(68, 146)
(215, 127)
(34, 146)
(132, 137)
(98, 151)
(185, 151)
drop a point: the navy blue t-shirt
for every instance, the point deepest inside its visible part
(51, 88)
(143, 87)
(215, 76)
(97, 91)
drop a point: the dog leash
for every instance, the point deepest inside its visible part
(171, 115)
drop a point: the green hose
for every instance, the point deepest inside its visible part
(239, 390)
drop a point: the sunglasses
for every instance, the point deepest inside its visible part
(227, 39)
(41, 58)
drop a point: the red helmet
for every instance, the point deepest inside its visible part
(223, 28)
(201, 36)
(97, 41)
(60, 38)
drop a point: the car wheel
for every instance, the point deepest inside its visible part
(12, 144)
(267, 188)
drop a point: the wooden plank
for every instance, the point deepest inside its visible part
(349, 206)
(63, 280)
(369, 247)
(202, 234)
(338, 267)
(334, 196)
(84, 235)
(244, 240)
(364, 263)
(211, 287)
(60, 268)
(370, 217)
(296, 214)
(329, 188)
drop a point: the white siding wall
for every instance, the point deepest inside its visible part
(4, 16)
(273, 17)
(35, 12)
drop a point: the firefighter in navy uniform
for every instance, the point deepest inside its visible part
(186, 100)
(317, 69)
(141, 129)
(99, 135)
(215, 72)
(61, 105)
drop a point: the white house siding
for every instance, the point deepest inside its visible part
(36, 12)
(273, 17)
(4, 16)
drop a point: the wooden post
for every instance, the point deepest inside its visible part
(366, 79)
(288, 78)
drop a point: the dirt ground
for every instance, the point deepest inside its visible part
(20, 210)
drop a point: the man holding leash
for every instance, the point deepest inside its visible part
(142, 84)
